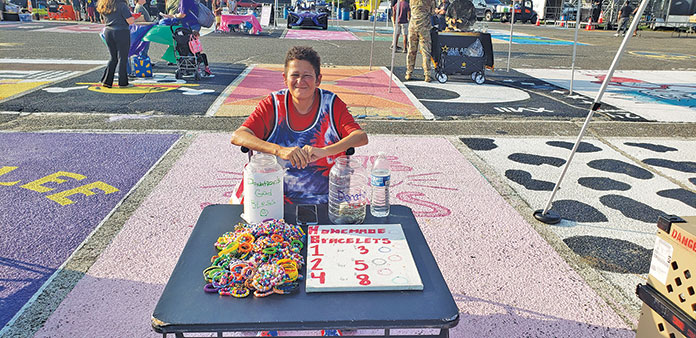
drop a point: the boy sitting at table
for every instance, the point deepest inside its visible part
(304, 126)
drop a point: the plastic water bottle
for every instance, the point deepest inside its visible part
(381, 175)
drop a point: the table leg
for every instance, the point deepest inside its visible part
(386, 332)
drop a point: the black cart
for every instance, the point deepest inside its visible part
(467, 53)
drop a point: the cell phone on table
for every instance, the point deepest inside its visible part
(306, 214)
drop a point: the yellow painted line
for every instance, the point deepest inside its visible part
(10, 88)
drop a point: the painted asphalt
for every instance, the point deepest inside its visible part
(472, 194)
(665, 96)
(55, 189)
(610, 198)
(162, 92)
(486, 258)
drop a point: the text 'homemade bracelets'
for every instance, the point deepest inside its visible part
(261, 258)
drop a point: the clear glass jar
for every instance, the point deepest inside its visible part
(348, 188)
(263, 189)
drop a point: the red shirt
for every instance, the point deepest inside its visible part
(262, 120)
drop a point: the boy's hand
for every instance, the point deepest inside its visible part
(315, 153)
(297, 156)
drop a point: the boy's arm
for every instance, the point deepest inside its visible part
(356, 138)
(244, 137)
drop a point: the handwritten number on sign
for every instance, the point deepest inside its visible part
(363, 250)
(361, 266)
(322, 277)
(316, 262)
(364, 279)
(316, 250)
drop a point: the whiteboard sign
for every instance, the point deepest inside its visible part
(266, 14)
(369, 257)
(661, 258)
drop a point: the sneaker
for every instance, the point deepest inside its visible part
(207, 71)
(106, 85)
(125, 86)
(616, 34)
(407, 77)
(427, 78)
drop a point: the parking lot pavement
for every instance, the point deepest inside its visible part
(489, 259)
(68, 184)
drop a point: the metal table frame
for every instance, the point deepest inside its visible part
(183, 307)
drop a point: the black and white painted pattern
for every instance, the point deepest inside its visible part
(609, 201)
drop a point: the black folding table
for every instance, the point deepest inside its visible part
(183, 307)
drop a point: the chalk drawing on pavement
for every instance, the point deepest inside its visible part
(55, 189)
(527, 39)
(364, 91)
(75, 29)
(158, 83)
(319, 35)
(645, 94)
(683, 95)
(60, 197)
(173, 206)
(13, 82)
(604, 195)
(663, 55)
(469, 92)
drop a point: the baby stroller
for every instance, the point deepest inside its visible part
(187, 63)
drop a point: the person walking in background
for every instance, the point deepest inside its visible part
(401, 23)
(77, 8)
(624, 18)
(117, 17)
(419, 36)
(596, 10)
(217, 10)
(440, 15)
(92, 12)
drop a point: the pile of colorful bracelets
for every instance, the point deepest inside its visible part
(263, 258)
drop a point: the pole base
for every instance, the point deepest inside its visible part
(551, 217)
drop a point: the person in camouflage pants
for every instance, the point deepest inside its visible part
(419, 36)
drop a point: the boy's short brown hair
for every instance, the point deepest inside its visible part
(304, 53)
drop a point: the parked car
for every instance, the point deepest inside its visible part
(524, 11)
(483, 10)
(309, 14)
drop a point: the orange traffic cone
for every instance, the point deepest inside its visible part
(538, 21)
(601, 17)
(589, 25)
(562, 21)
(29, 8)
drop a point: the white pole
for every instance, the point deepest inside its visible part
(598, 99)
(575, 44)
(394, 41)
(275, 17)
(512, 22)
(374, 28)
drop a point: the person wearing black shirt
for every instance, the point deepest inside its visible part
(117, 18)
(624, 18)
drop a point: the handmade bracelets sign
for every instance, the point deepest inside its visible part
(360, 258)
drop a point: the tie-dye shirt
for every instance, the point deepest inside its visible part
(275, 120)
